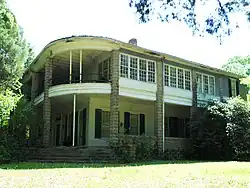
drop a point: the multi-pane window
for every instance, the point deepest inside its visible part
(180, 78)
(187, 80)
(172, 76)
(142, 70)
(124, 66)
(151, 71)
(233, 87)
(104, 70)
(137, 68)
(205, 84)
(133, 68)
(105, 124)
(177, 77)
(166, 75)
(211, 85)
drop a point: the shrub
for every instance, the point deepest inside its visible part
(135, 148)
(221, 132)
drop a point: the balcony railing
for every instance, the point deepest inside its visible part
(86, 78)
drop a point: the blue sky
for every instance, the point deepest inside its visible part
(47, 20)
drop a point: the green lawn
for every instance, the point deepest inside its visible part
(158, 174)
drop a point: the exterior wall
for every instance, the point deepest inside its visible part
(125, 105)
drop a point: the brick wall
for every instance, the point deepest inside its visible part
(114, 98)
(159, 107)
(47, 105)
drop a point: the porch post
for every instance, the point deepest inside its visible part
(34, 122)
(114, 98)
(80, 66)
(47, 104)
(70, 66)
(159, 119)
(74, 119)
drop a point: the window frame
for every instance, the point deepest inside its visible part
(138, 68)
(232, 80)
(184, 70)
(202, 88)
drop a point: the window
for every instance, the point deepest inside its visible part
(133, 124)
(124, 66)
(151, 71)
(137, 68)
(105, 124)
(166, 75)
(172, 76)
(199, 82)
(177, 77)
(142, 70)
(177, 127)
(233, 87)
(180, 79)
(104, 70)
(187, 80)
(211, 85)
(133, 68)
(205, 84)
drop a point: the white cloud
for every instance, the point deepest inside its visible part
(47, 20)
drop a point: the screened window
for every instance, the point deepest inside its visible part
(142, 70)
(151, 71)
(180, 79)
(137, 68)
(166, 75)
(187, 80)
(133, 68)
(124, 66)
(172, 76)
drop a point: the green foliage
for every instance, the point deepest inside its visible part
(13, 48)
(8, 101)
(135, 148)
(191, 12)
(222, 133)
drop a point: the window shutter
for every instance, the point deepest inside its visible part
(229, 87)
(126, 122)
(142, 124)
(98, 123)
(237, 87)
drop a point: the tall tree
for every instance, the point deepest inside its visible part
(13, 48)
(201, 16)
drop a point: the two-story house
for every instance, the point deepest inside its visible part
(86, 91)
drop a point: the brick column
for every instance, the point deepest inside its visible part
(221, 88)
(34, 124)
(46, 104)
(114, 98)
(194, 109)
(159, 107)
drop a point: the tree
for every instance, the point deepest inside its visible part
(13, 48)
(214, 20)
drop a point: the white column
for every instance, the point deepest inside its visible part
(74, 120)
(70, 66)
(80, 66)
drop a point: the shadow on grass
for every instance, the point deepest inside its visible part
(51, 165)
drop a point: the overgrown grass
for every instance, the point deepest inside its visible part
(154, 174)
